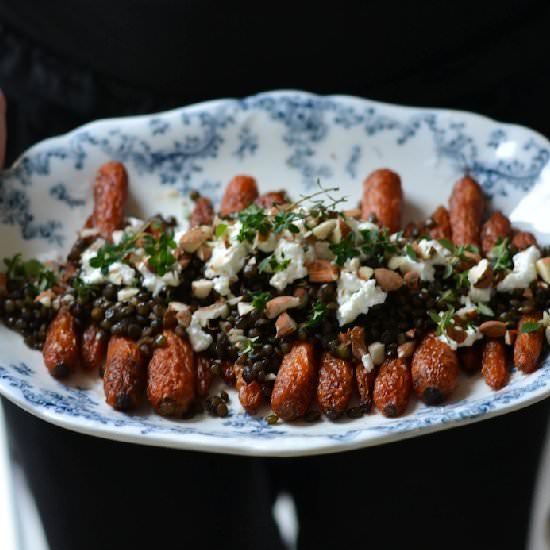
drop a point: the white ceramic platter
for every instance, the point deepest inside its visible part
(284, 139)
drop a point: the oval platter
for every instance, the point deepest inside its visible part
(286, 139)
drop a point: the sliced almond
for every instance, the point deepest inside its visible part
(182, 311)
(485, 280)
(510, 337)
(543, 269)
(276, 306)
(213, 311)
(377, 351)
(46, 297)
(322, 271)
(244, 308)
(324, 229)
(387, 279)
(284, 325)
(192, 239)
(341, 231)
(411, 333)
(493, 329)
(358, 345)
(201, 288)
(406, 350)
(365, 272)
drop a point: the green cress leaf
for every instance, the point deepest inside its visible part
(501, 255)
(345, 249)
(530, 327)
(253, 219)
(32, 271)
(260, 299)
(272, 265)
(221, 228)
(317, 314)
(285, 220)
(446, 243)
(411, 253)
(250, 345)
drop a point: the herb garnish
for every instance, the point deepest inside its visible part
(409, 250)
(251, 344)
(159, 250)
(110, 253)
(376, 246)
(260, 299)
(345, 249)
(32, 271)
(530, 327)
(317, 314)
(442, 319)
(253, 219)
(221, 228)
(272, 265)
(484, 309)
(501, 255)
(285, 220)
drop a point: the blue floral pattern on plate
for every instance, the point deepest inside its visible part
(286, 139)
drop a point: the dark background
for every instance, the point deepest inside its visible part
(63, 64)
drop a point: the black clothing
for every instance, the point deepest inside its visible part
(61, 66)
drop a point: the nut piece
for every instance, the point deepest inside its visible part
(277, 305)
(340, 232)
(202, 288)
(406, 350)
(191, 240)
(323, 230)
(543, 269)
(358, 345)
(204, 253)
(510, 337)
(285, 325)
(387, 279)
(365, 272)
(377, 351)
(412, 280)
(493, 329)
(182, 311)
(322, 271)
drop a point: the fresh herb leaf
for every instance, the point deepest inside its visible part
(448, 296)
(250, 345)
(285, 220)
(461, 279)
(448, 271)
(260, 299)
(409, 250)
(159, 250)
(253, 219)
(529, 327)
(32, 271)
(82, 290)
(442, 319)
(501, 255)
(221, 228)
(110, 253)
(484, 309)
(345, 249)
(272, 265)
(317, 314)
(446, 243)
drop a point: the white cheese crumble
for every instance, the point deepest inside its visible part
(118, 274)
(368, 363)
(472, 336)
(432, 252)
(126, 294)
(199, 339)
(377, 351)
(293, 251)
(356, 296)
(474, 275)
(524, 272)
(226, 261)
(155, 283)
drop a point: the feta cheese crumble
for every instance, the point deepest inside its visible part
(356, 296)
(524, 272)
(293, 251)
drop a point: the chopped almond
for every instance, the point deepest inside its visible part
(358, 345)
(456, 333)
(192, 239)
(284, 325)
(387, 279)
(493, 329)
(322, 271)
(406, 350)
(277, 305)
